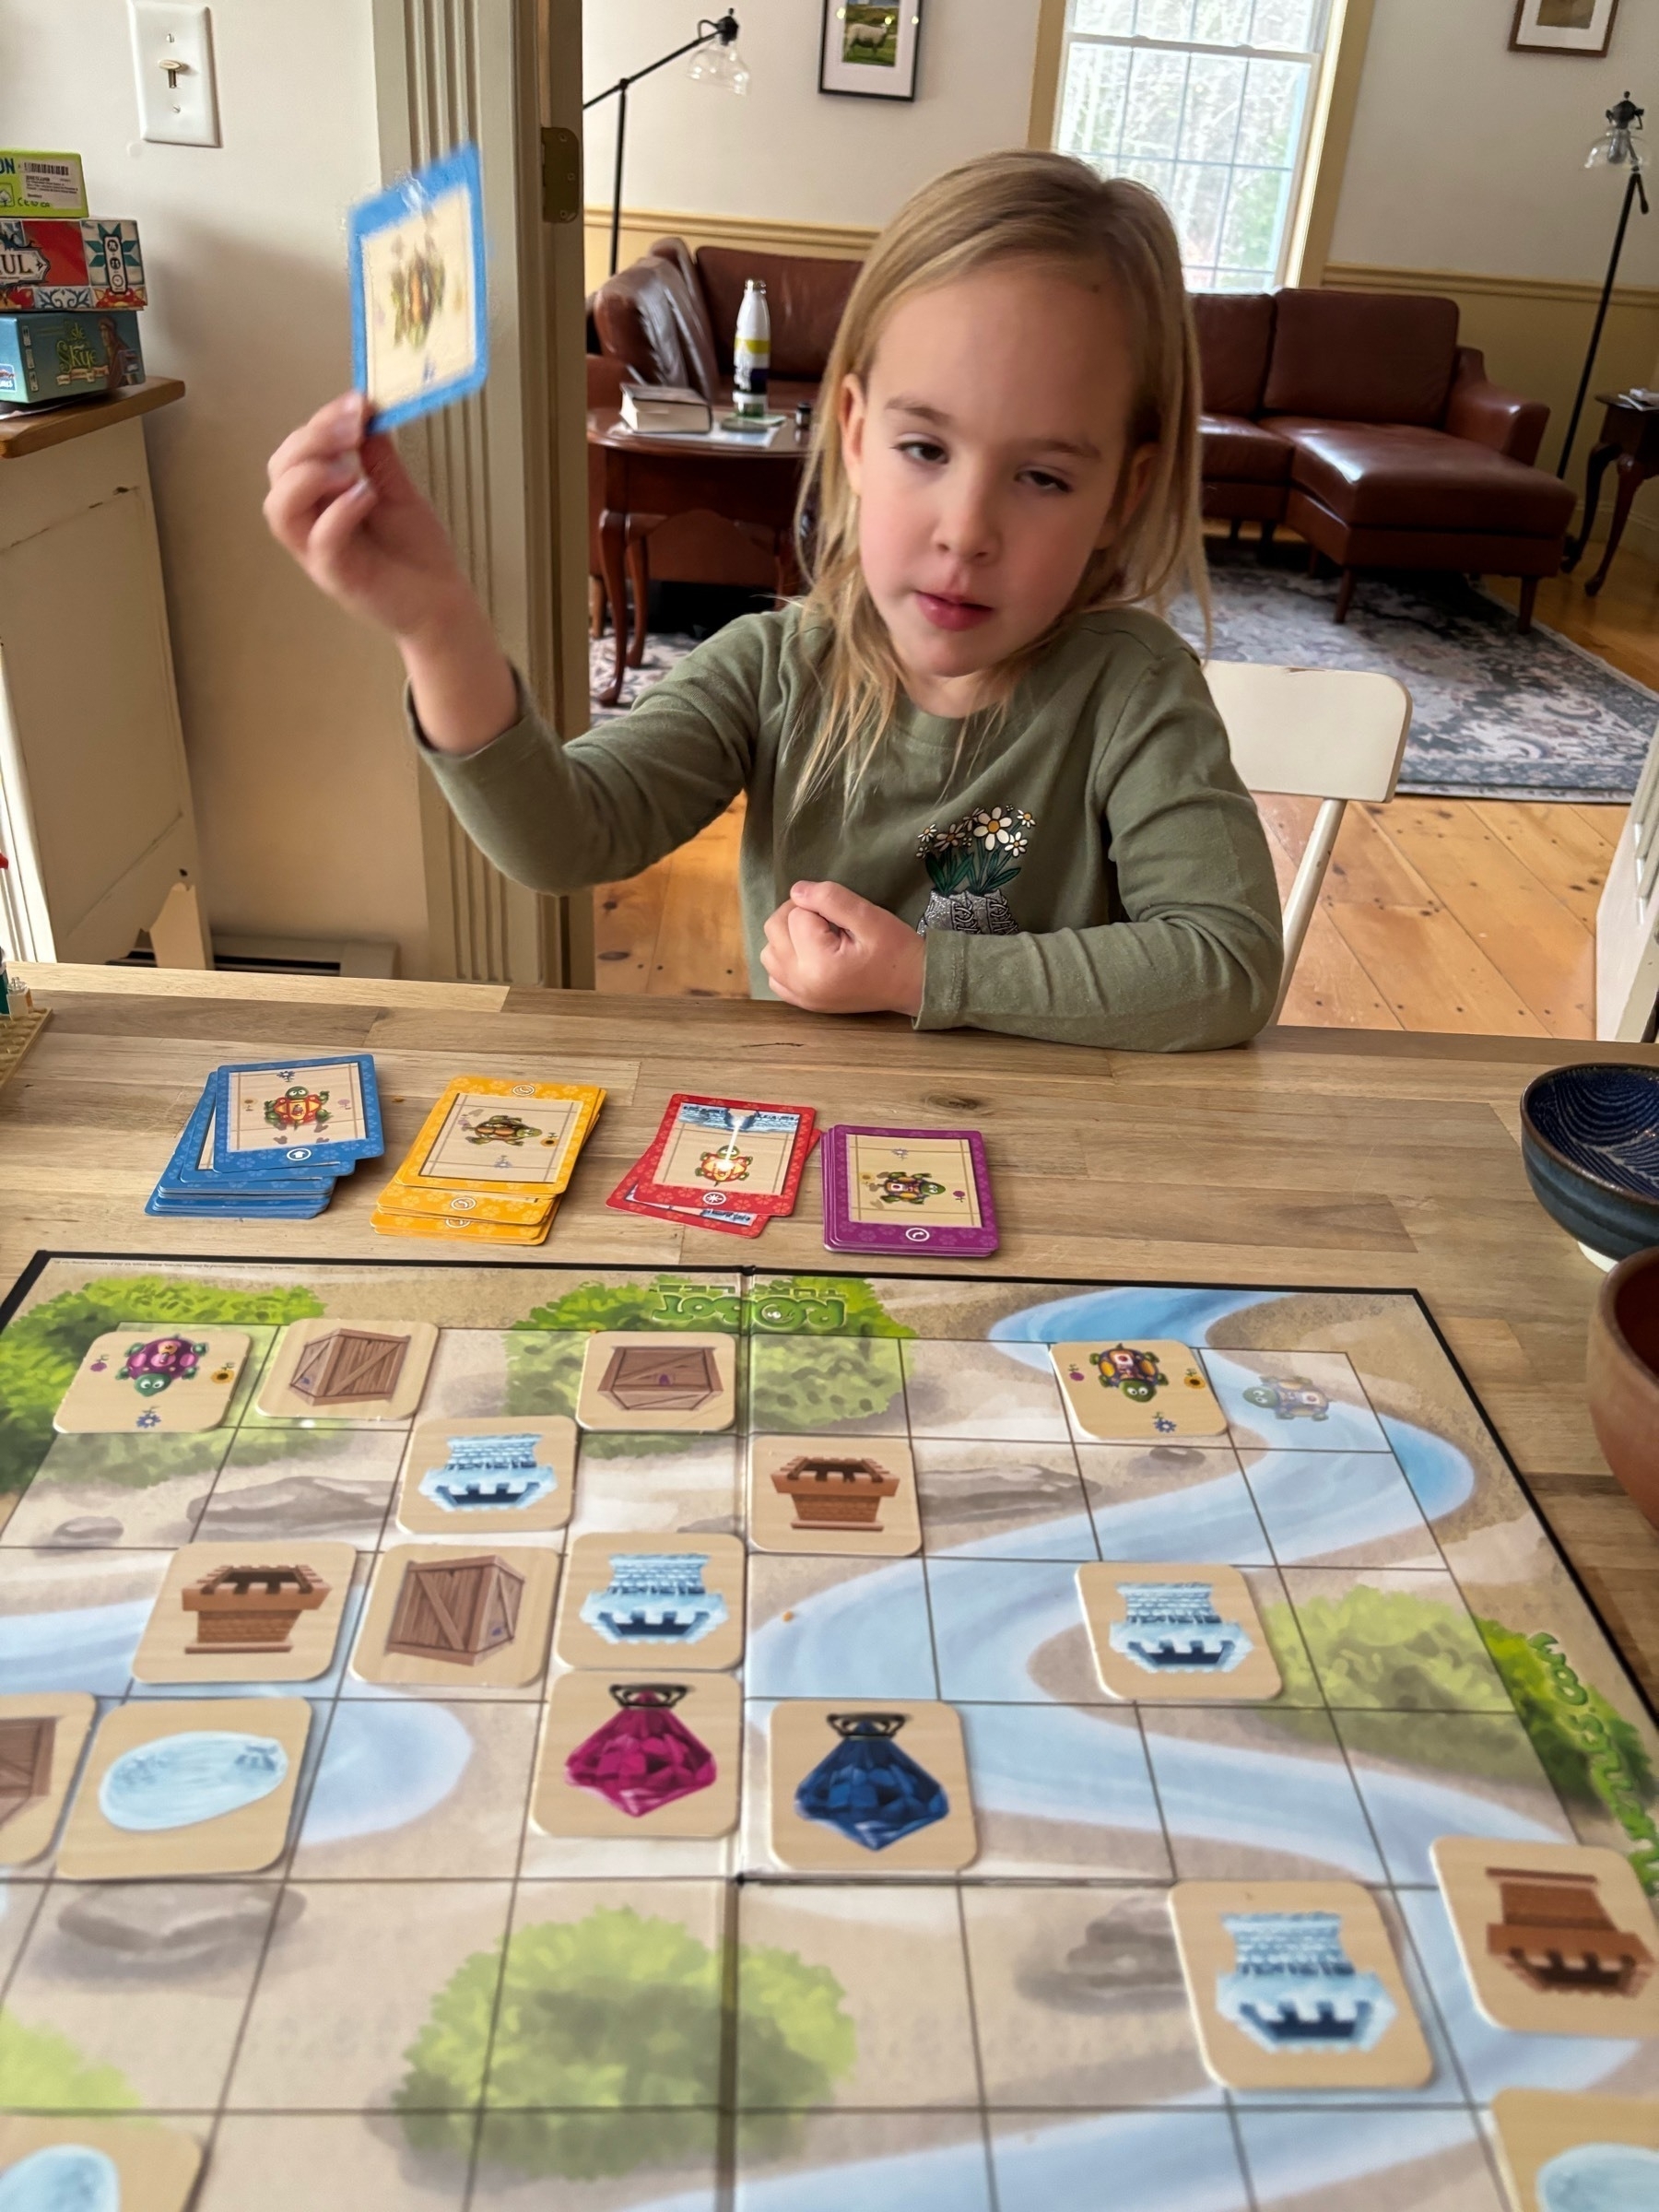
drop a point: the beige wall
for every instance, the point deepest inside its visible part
(304, 787)
(787, 152)
(1465, 175)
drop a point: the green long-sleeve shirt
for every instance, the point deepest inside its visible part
(1096, 873)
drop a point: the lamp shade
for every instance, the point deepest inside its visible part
(721, 66)
(1618, 146)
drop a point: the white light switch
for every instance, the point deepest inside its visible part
(172, 54)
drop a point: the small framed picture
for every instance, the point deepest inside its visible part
(1563, 26)
(869, 48)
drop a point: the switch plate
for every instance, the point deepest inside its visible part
(172, 57)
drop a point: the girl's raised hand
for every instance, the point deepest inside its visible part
(832, 952)
(343, 504)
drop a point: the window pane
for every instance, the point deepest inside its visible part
(1114, 18)
(1250, 238)
(1215, 92)
(1288, 23)
(1091, 106)
(1196, 202)
(1271, 123)
(1165, 19)
(1222, 23)
(1160, 175)
(1157, 90)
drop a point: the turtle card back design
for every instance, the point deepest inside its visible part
(316, 1117)
(420, 307)
(708, 1147)
(907, 1190)
(517, 1140)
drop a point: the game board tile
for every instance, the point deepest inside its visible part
(150, 1979)
(321, 1689)
(1278, 1616)
(1394, 1639)
(611, 2000)
(832, 1627)
(660, 2160)
(1010, 1633)
(473, 1372)
(1158, 2161)
(1063, 1792)
(105, 1491)
(1446, 2086)
(19, 1901)
(1343, 1423)
(1397, 2160)
(994, 1392)
(1002, 1501)
(353, 1980)
(631, 1858)
(71, 1620)
(418, 1789)
(878, 2161)
(884, 1964)
(1079, 2000)
(1494, 2058)
(1149, 1502)
(825, 1386)
(531, 1644)
(1423, 1775)
(627, 1481)
(1339, 1509)
(1257, 1795)
(333, 1483)
(330, 2162)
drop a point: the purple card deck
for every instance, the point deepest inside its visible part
(907, 1190)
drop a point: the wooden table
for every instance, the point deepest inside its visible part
(1630, 437)
(1343, 1159)
(647, 480)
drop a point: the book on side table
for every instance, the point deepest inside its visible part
(659, 408)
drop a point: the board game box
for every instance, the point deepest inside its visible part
(77, 265)
(520, 1736)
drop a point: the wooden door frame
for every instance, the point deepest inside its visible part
(507, 470)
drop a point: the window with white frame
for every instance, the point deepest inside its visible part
(1209, 102)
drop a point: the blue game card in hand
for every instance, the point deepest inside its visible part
(275, 1119)
(420, 307)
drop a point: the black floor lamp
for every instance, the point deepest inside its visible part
(722, 67)
(1615, 148)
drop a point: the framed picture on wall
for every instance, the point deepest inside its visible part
(1562, 26)
(869, 48)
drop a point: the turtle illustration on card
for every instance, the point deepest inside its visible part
(143, 1378)
(1149, 1389)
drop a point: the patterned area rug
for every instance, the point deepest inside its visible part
(1494, 715)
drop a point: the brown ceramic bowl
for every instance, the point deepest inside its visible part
(1621, 1374)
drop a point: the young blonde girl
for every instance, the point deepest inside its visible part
(986, 788)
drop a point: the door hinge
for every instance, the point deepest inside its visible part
(562, 175)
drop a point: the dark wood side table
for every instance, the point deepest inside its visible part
(1630, 437)
(649, 479)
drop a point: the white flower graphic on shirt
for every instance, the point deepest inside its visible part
(1005, 825)
(970, 863)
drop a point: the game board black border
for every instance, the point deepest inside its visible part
(41, 1260)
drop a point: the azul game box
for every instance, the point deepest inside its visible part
(44, 359)
(46, 264)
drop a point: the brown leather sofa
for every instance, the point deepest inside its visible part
(1359, 420)
(1355, 417)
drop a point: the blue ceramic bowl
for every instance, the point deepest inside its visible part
(1590, 1141)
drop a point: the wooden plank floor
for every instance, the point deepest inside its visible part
(1471, 915)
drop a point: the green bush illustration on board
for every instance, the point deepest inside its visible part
(40, 1352)
(1389, 1650)
(1530, 1682)
(43, 2071)
(798, 1385)
(615, 2018)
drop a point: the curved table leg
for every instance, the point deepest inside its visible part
(613, 537)
(1600, 461)
(1632, 475)
(638, 577)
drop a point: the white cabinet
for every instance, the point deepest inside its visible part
(1627, 924)
(95, 812)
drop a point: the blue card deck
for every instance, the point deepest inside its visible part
(282, 1190)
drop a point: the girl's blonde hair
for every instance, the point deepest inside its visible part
(1014, 206)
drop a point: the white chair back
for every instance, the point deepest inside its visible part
(1326, 734)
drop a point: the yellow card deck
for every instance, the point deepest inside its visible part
(490, 1162)
(1556, 1938)
(640, 1755)
(1152, 1390)
(1295, 1985)
(186, 1786)
(1559, 2150)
